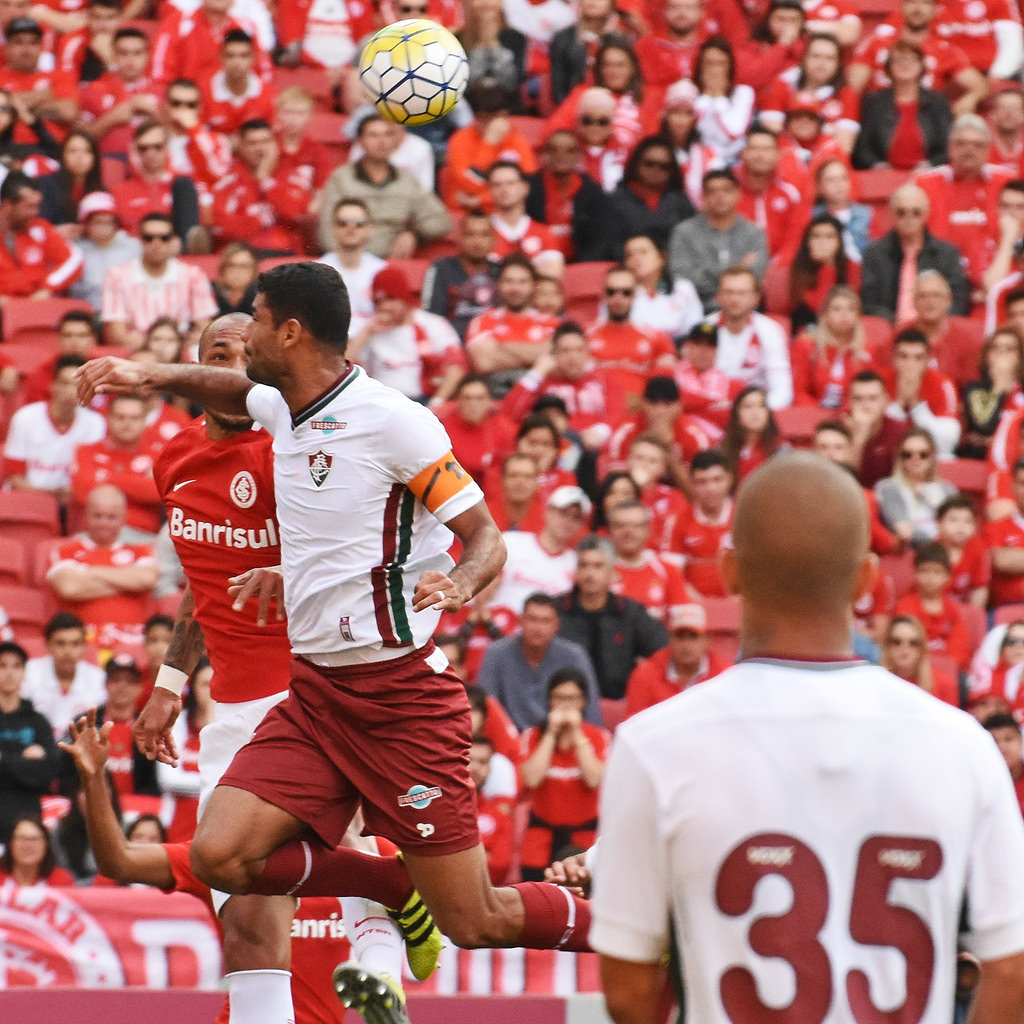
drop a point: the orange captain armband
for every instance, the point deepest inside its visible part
(439, 482)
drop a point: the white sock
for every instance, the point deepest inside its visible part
(375, 938)
(261, 997)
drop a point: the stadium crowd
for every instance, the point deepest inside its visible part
(658, 243)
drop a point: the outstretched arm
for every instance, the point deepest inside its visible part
(212, 387)
(116, 857)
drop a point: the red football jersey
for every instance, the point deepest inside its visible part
(222, 519)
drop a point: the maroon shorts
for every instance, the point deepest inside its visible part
(393, 734)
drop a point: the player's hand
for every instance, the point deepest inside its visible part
(89, 747)
(267, 584)
(111, 376)
(435, 590)
(152, 729)
(571, 873)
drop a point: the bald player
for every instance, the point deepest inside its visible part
(807, 826)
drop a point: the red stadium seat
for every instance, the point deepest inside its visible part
(1007, 613)
(28, 357)
(583, 284)
(313, 80)
(878, 333)
(533, 129)
(113, 172)
(328, 127)
(35, 320)
(775, 291)
(42, 553)
(969, 475)
(28, 609)
(977, 624)
(900, 569)
(207, 263)
(415, 271)
(31, 516)
(796, 423)
(14, 561)
(612, 712)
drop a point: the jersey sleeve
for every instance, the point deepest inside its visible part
(423, 460)
(267, 407)
(184, 879)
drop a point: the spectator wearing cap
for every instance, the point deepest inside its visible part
(906, 125)
(776, 206)
(717, 238)
(679, 125)
(603, 156)
(405, 347)
(545, 561)
(28, 755)
(620, 345)
(593, 395)
(707, 392)
(103, 244)
(569, 201)
(891, 263)
(515, 669)
(615, 631)
(255, 202)
(45, 92)
(948, 68)
(36, 261)
(685, 662)
(131, 772)
(404, 213)
(462, 287)
(661, 413)
(472, 150)
(104, 581)
(804, 145)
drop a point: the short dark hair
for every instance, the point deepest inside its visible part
(158, 619)
(568, 675)
(352, 201)
(183, 83)
(1012, 296)
(14, 184)
(156, 215)
(499, 165)
(255, 124)
(146, 127)
(372, 118)
(1000, 720)
(833, 427)
(719, 174)
(538, 421)
(567, 327)
(236, 35)
(708, 459)
(867, 377)
(538, 597)
(111, 5)
(517, 259)
(955, 501)
(314, 294)
(911, 336)
(10, 647)
(477, 697)
(1018, 465)
(131, 32)
(78, 316)
(62, 620)
(472, 378)
(68, 359)
(931, 553)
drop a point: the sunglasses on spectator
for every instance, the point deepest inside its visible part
(351, 223)
(412, 10)
(590, 121)
(151, 146)
(157, 238)
(1014, 641)
(628, 292)
(909, 211)
(188, 104)
(915, 453)
(903, 641)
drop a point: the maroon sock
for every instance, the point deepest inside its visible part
(302, 868)
(553, 918)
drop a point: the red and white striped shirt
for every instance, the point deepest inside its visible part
(131, 296)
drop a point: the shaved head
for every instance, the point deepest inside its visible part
(800, 538)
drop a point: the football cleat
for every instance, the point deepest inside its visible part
(374, 995)
(423, 941)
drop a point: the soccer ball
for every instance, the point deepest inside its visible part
(413, 71)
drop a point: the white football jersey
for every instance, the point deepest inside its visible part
(811, 834)
(365, 480)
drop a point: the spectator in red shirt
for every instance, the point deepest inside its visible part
(195, 150)
(104, 581)
(954, 346)
(29, 858)
(123, 460)
(254, 202)
(963, 197)
(703, 530)
(517, 503)
(970, 567)
(1004, 272)
(35, 261)
(131, 772)
(648, 462)
(235, 93)
(300, 156)
(876, 435)
(751, 435)
(494, 814)
(87, 52)
(1007, 736)
(49, 95)
(820, 265)
(685, 662)
(508, 186)
(124, 97)
(479, 436)
(1005, 541)
(1006, 119)
(670, 54)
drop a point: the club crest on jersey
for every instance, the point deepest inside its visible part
(420, 797)
(320, 466)
(243, 489)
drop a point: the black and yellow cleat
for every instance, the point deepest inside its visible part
(375, 995)
(423, 941)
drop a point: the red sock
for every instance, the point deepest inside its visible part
(553, 918)
(302, 868)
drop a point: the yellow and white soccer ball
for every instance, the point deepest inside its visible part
(413, 71)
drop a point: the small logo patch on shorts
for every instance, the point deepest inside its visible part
(420, 797)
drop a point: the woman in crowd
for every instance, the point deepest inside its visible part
(906, 126)
(650, 199)
(724, 109)
(819, 265)
(15, 155)
(752, 435)
(994, 679)
(668, 305)
(827, 356)
(905, 654)
(679, 126)
(834, 189)
(615, 487)
(79, 174)
(29, 858)
(907, 500)
(164, 340)
(495, 49)
(234, 287)
(561, 769)
(998, 390)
